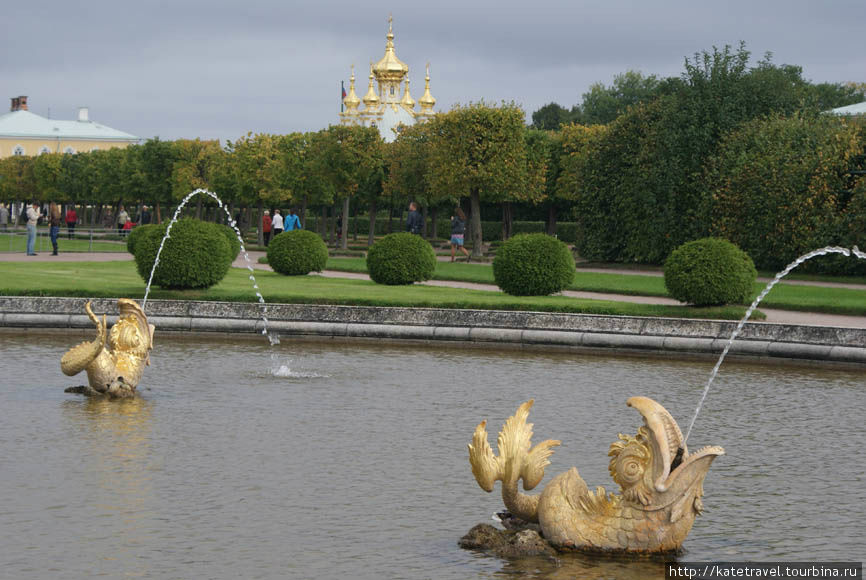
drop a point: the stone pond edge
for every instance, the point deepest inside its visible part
(521, 328)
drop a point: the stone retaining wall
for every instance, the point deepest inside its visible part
(433, 324)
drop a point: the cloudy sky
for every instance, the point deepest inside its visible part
(218, 68)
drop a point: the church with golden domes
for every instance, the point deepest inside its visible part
(388, 105)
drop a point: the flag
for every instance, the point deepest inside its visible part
(343, 90)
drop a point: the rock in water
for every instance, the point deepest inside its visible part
(506, 543)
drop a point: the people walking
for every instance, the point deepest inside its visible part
(71, 220)
(266, 227)
(144, 217)
(458, 230)
(277, 223)
(414, 222)
(54, 221)
(33, 216)
(292, 222)
(122, 218)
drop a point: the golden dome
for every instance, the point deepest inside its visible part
(352, 101)
(407, 100)
(390, 68)
(427, 101)
(371, 99)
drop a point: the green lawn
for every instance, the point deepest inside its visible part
(120, 279)
(783, 296)
(18, 243)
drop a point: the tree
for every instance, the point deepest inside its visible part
(157, 160)
(478, 151)
(551, 117)
(602, 104)
(191, 171)
(342, 158)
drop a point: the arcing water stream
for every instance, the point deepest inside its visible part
(761, 296)
(273, 338)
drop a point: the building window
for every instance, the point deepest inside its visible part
(18, 150)
(68, 150)
(44, 149)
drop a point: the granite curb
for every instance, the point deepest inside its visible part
(673, 335)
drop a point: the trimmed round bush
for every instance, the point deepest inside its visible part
(533, 265)
(297, 253)
(197, 255)
(139, 232)
(401, 258)
(710, 272)
(234, 242)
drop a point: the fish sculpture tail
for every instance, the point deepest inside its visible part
(517, 460)
(78, 357)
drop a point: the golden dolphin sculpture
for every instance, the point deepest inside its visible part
(115, 360)
(660, 492)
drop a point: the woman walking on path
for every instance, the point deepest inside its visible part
(458, 229)
(71, 220)
(54, 221)
(266, 227)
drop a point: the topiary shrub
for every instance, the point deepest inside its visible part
(139, 232)
(297, 253)
(196, 255)
(234, 242)
(709, 272)
(401, 258)
(533, 265)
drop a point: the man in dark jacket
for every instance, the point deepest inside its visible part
(414, 222)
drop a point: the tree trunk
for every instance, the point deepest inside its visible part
(303, 217)
(390, 219)
(424, 222)
(198, 207)
(324, 223)
(355, 223)
(507, 224)
(551, 220)
(344, 228)
(475, 200)
(434, 234)
(332, 230)
(158, 213)
(260, 222)
(371, 235)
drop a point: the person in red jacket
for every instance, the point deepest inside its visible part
(266, 226)
(71, 220)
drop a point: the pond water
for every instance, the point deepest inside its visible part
(314, 460)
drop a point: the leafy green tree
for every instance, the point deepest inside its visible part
(551, 117)
(478, 151)
(601, 104)
(644, 187)
(157, 159)
(342, 158)
(782, 185)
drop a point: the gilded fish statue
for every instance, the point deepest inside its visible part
(660, 489)
(115, 360)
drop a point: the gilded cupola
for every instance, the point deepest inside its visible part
(351, 100)
(407, 100)
(371, 99)
(390, 68)
(427, 101)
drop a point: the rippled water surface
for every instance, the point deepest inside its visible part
(311, 460)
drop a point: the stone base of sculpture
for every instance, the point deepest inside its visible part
(661, 486)
(115, 360)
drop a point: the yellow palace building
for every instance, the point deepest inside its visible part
(25, 133)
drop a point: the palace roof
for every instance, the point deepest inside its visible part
(25, 124)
